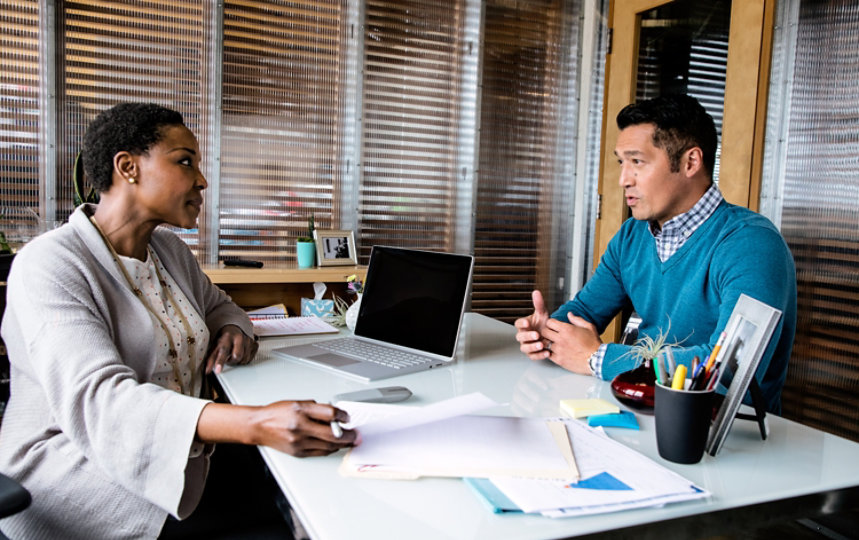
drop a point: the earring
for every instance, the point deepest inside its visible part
(132, 180)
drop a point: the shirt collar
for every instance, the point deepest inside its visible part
(687, 222)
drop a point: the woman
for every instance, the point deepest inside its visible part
(110, 327)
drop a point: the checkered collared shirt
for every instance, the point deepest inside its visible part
(678, 229)
(673, 235)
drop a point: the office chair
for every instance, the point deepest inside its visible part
(13, 498)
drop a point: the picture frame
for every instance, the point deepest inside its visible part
(335, 247)
(747, 336)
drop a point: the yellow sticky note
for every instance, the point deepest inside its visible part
(578, 408)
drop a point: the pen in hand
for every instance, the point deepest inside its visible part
(336, 429)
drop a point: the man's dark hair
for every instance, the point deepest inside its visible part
(681, 123)
(129, 127)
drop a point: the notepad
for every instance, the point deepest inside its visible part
(275, 310)
(291, 326)
(579, 408)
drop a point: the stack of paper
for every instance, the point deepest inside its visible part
(555, 467)
(439, 440)
(613, 477)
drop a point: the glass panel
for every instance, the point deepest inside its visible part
(820, 214)
(523, 197)
(683, 48)
(115, 51)
(283, 71)
(19, 119)
(411, 100)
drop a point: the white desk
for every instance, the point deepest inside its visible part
(795, 472)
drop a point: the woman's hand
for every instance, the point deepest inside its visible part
(298, 428)
(302, 428)
(232, 347)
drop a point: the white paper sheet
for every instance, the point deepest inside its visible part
(439, 440)
(651, 483)
(415, 416)
(469, 446)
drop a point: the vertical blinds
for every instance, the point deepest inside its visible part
(112, 51)
(264, 85)
(523, 66)
(19, 114)
(411, 93)
(283, 72)
(820, 217)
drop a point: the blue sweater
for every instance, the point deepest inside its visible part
(692, 294)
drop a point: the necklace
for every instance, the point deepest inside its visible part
(172, 352)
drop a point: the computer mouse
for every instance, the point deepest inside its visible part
(385, 394)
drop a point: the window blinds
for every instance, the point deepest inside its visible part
(283, 77)
(19, 115)
(112, 51)
(269, 87)
(411, 93)
(521, 193)
(820, 217)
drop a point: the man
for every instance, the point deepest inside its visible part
(682, 261)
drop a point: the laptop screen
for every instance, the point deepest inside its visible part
(414, 298)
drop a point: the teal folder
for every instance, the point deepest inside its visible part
(491, 496)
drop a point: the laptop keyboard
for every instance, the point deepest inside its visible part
(386, 356)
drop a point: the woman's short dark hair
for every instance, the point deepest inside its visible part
(681, 123)
(129, 127)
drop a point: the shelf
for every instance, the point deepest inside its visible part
(240, 275)
(258, 287)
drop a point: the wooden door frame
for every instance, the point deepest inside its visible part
(749, 52)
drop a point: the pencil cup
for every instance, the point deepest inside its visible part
(682, 423)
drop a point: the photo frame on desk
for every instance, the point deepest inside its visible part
(748, 334)
(335, 247)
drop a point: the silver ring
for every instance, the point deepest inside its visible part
(549, 347)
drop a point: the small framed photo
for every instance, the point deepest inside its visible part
(748, 334)
(335, 248)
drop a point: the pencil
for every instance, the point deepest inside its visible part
(715, 352)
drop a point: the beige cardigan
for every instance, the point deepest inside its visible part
(104, 453)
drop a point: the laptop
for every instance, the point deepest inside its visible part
(409, 320)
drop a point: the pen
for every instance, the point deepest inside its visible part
(711, 382)
(669, 360)
(697, 374)
(336, 429)
(715, 352)
(679, 377)
(661, 376)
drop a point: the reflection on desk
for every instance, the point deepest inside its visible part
(793, 473)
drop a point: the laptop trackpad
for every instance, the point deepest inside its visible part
(334, 360)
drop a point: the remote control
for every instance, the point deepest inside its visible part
(243, 262)
(387, 394)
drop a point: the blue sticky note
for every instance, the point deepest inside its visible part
(623, 419)
(316, 308)
(602, 480)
